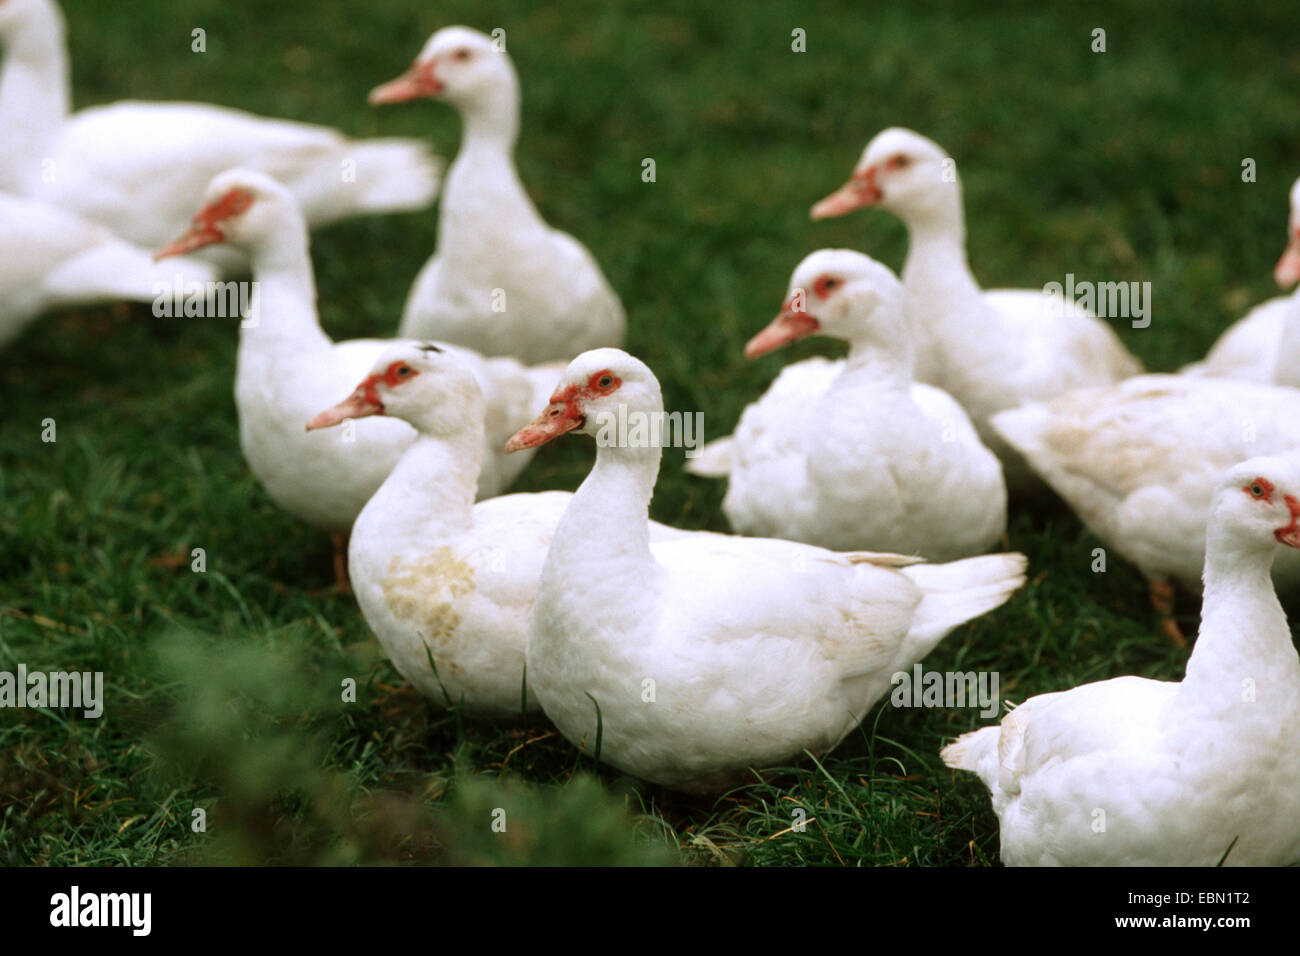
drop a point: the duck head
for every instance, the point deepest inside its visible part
(1258, 504)
(590, 393)
(242, 207)
(900, 171)
(459, 65)
(839, 293)
(421, 383)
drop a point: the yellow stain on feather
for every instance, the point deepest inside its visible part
(424, 593)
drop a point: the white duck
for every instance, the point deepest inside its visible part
(288, 368)
(694, 659)
(51, 258)
(1264, 346)
(989, 350)
(1139, 463)
(502, 282)
(437, 576)
(856, 455)
(1136, 772)
(137, 166)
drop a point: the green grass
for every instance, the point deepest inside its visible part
(224, 687)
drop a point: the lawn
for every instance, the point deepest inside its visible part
(223, 687)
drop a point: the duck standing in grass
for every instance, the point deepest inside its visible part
(502, 282)
(1136, 772)
(690, 661)
(854, 454)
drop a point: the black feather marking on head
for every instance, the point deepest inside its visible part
(429, 347)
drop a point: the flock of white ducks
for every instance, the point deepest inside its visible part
(873, 484)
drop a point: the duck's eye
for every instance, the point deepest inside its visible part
(404, 370)
(825, 285)
(1256, 490)
(462, 54)
(898, 162)
(605, 381)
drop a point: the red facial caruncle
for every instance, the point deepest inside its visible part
(1261, 489)
(896, 162)
(565, 412)
(205, 227)
(364, 400)
(825, 284)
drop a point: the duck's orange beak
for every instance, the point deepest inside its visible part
(861, 190)
(205, 227)
(419, 81)
(789, 326)
(561, 416)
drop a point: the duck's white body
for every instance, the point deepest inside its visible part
(502, 281)
(707, 655)
(51, 258)
(854, 455)
(1139, 461)
(850, 464)
(461, 596)
(1141, 772)
(989, 350)
(137, 166)
(288, 369)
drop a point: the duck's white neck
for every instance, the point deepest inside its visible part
(492, 121)
(483, 193)
(936, 252)
(884, 355)
(34, 98)
(430, 493)
(284, 292)
(608, 520)
(1244, 634)
(1287, 370)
